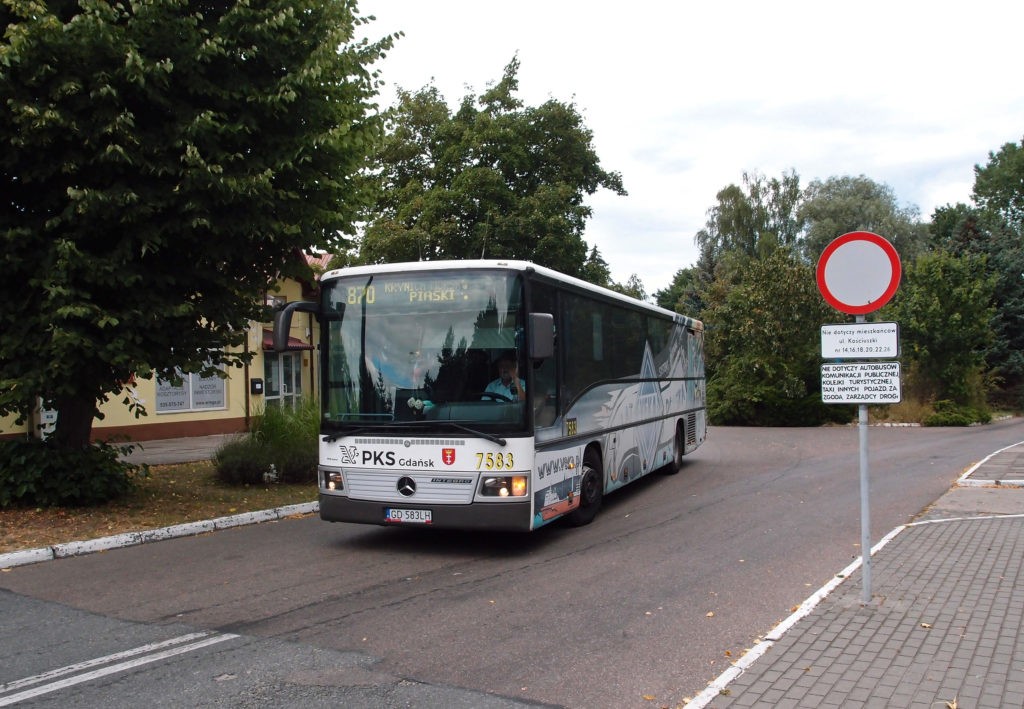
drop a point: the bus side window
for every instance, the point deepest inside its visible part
(544, 396)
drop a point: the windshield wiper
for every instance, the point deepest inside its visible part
(487, 436)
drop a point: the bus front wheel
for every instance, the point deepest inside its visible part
(591, 491)
(677, 455)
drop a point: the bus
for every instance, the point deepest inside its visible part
(496, 395)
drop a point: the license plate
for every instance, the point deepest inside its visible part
(392, 514)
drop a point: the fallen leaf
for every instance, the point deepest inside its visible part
(728, 654)
(926, 626)
(648, 697)
(710, 615)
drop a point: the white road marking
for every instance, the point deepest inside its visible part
(142, 655)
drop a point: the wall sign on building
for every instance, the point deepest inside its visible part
(195, 393)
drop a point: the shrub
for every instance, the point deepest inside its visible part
(41, 473)
(281, 447)
(242, 461)
(948, 413)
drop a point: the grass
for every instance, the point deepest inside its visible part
(170, 494)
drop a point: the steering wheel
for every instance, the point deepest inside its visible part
(495, 396)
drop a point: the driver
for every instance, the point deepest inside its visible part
(508, 383)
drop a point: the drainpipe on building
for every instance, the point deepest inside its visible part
(247, 385)
(312, 360)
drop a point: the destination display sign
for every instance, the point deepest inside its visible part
(415, 291)
(874, 340)
(861, 383)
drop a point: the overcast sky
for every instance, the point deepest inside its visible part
(684, 97)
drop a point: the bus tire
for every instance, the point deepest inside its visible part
(678, 450)
(591, 491)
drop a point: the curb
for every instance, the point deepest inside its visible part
(965, 481)
(118, 541)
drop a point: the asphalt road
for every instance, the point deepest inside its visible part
(677, 576)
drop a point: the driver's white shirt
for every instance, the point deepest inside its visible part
(498, 388)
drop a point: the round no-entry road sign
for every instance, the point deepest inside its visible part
(858, 272)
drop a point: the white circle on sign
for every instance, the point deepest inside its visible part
(858, 272)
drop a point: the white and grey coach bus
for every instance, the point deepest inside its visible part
(494, 394)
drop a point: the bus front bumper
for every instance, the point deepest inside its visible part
(498, 516)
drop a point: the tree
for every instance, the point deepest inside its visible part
(750, 222)
(840, 205)
(162, 164)
(994, 228)
(944, 311)
(595, 269)
(999, 186)
(495, 179)
(763, 346)
(687, 291)
(633, 287)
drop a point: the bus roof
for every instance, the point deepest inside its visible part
(509, 265)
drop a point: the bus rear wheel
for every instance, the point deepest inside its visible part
(591, 491)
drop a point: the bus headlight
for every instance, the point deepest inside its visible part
(332, 479)
(504, 486)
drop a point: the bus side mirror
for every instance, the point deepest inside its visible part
(542, 335)
(283, 321)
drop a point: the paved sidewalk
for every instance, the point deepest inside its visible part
(944, 629)
(178, 450)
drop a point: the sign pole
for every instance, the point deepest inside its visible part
(857, 274)
(865, 498)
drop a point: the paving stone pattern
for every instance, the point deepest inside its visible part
(944, 625)
(1007, 465)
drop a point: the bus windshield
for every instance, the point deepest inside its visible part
(424, 349)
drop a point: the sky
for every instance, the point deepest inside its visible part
(683, 97)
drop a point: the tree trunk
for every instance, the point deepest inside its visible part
(74, 421)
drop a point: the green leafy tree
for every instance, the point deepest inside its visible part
(496, 179)
(763, 346)
(999, 186)
(752, 221)
(944, 311)
(840, 205)
(999, 194)
(161, 164)
(993, 228)
(687, 291)
(633, 287)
